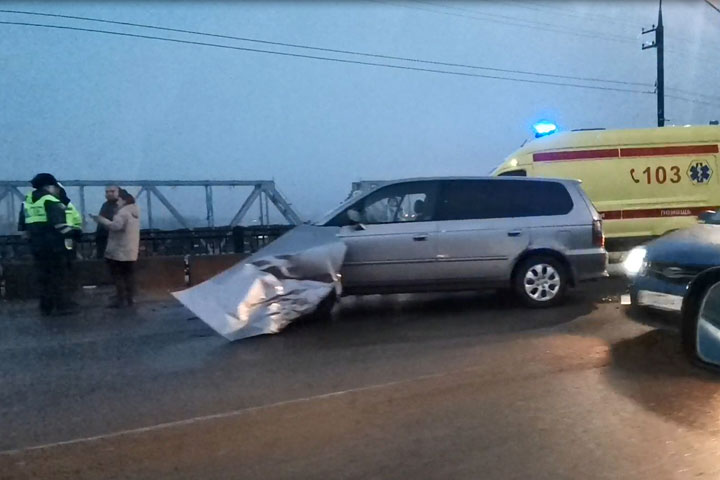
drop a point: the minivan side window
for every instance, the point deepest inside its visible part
(483, 199)
(399, 203)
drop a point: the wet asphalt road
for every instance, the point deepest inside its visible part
(431, 386)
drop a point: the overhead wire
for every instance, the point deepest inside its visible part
(325, 49)
(541, 7)
(713, 5)
(389, 57)
(606, 18)
(670, 50)
(515, 22)
(529, 22)
(599, 34)
(689, 92)
(691, 100)
(554, 28)
(314, 57)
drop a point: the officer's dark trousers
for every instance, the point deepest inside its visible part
(51, 277)
(72, 284)
(100, 246)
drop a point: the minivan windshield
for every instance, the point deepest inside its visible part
(323, 219)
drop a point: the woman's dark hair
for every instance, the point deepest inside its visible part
(127, 198)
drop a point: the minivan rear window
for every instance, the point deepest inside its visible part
(480, 199)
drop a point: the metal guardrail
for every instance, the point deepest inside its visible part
(263, 191)
(205, 241)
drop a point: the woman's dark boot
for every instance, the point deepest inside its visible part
(120, 299)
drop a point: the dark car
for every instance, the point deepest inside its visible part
(661, 270)
(701, 320)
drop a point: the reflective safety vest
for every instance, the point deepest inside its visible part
(35, 211)
(73, 217)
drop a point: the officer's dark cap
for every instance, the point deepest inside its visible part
(43, 180)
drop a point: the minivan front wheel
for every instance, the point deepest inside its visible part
(541, 281)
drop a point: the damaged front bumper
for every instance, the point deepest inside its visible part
(280, 283)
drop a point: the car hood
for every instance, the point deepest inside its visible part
(698, 245)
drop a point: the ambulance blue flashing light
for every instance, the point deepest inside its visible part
(544, 128)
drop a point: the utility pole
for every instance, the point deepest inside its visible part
(659, 44)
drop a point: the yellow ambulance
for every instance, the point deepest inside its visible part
(644, 182)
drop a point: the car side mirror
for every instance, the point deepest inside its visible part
(355, 219)
(701, 321)
(354, 216)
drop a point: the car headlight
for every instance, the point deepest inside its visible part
(635, 263)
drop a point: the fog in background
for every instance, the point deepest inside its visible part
(90, 105)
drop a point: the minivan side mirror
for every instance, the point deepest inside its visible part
(355, 219)
(354, 216)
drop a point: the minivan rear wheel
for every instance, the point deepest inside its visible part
(541, 281)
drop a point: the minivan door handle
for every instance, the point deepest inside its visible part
(420, 238)
(514, 233)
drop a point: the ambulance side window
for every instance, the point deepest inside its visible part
(514, 173)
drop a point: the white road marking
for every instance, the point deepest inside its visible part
(216, 416)
(242, 411)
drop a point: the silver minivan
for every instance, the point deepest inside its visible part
(537, 236)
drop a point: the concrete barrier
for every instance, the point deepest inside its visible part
(207, 266)
(156, 275)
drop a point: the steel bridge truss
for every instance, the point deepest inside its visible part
(263, 192)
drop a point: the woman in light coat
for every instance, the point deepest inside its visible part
(122, 247)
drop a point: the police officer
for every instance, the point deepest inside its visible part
(43, 220)
(74, 219)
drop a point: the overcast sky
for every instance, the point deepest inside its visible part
(94, 106)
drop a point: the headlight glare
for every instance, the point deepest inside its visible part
(634, 263)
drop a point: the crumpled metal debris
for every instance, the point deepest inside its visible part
(280, 283)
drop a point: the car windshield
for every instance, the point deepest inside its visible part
(352, 198)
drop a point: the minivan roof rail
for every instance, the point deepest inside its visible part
(587, 129)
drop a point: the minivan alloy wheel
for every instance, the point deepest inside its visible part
(542, 282)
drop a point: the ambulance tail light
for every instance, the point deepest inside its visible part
(597, 234)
